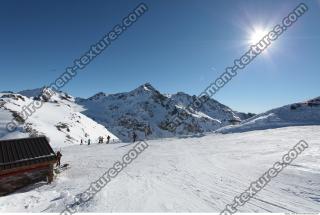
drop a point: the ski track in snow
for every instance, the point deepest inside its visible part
(185, 175)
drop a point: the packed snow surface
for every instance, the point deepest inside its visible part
(195, 174)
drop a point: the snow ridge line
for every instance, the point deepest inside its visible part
(103, 181)
(262, 182)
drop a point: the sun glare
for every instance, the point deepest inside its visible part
(256, 35)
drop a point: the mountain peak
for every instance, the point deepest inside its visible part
(97, 96)
(147, 86)
(32, 92)
(46, 93)
(182, 94)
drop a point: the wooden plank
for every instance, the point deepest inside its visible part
(24, 168)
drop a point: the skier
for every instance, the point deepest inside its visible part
(146, 132)
(134, 135)
(88, 142)
(59, 155)
(108, 139)
(81, 142)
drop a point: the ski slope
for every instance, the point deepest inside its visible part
(185, 175)
(58, 120)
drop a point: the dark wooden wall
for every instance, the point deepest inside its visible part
(13, 181)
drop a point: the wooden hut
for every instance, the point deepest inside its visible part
(25, 161)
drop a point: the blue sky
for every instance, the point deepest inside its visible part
(178, 45)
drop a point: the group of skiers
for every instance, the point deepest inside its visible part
(147, 132)
(100, 140)
(89, 142)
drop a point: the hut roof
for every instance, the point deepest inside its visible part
(24, 152)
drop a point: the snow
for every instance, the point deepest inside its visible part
(304, 113)
(63, 117)
(31, 93)
(185, 175)
(201, 172)
(123, 113)
(6, 117)
(62, 113)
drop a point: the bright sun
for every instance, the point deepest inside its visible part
(257, 35)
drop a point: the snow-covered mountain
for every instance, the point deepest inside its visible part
(145, 107)
(211, 108)
(33, 92)
(303, 113)
(68, 119)
(58, 118)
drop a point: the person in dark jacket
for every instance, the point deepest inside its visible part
(108, 139)
(101, 139)
(134, 136)
(59, 155)
(88, 142)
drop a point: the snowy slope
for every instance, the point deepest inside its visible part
(121, 113)
(185, 175)
(143, 107)
(134, 111)
(303, 113)
(58, 119)
(211, 108)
